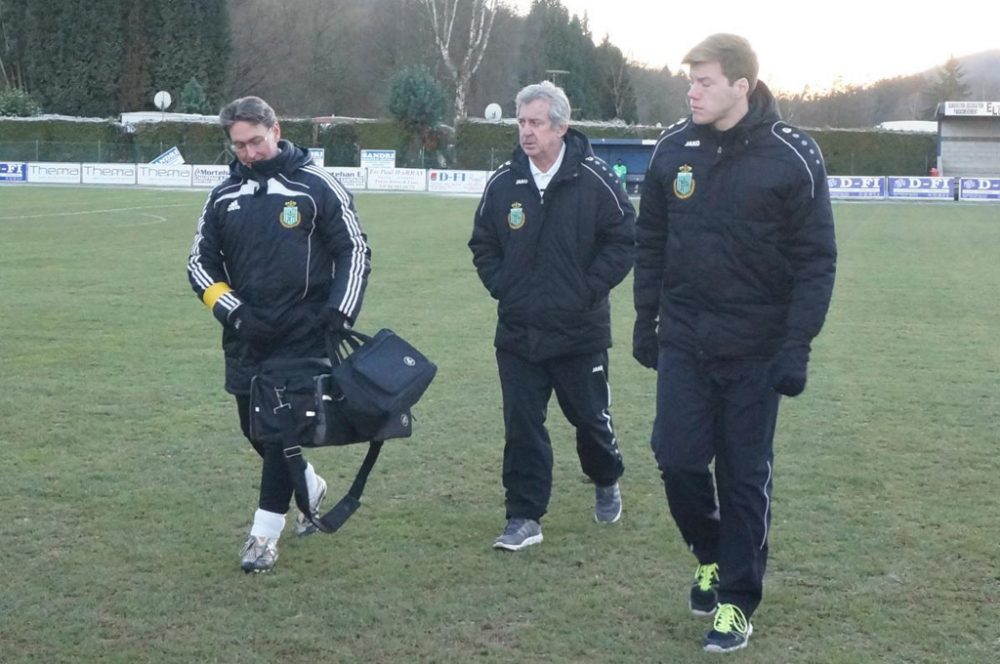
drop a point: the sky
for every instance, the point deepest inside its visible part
(804, 43)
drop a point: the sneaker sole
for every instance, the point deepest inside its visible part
(528, 541)
(715, 648)
(702, 614)
(617, 518)
(303, 527)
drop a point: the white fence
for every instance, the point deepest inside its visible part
(853, 187)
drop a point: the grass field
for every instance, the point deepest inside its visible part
(128, 491)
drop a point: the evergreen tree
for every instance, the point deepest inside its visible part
(616, 95)
(135, 89)
(193, 99)
(559, 48)
(189, 39)
(948, 87)
(416, 99)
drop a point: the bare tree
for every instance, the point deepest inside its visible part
(463, 64)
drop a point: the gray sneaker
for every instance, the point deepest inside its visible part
(518, 534)
(607, 504)
(258, 554)
(304, 526)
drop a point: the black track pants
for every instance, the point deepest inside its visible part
(584, 395)
(726, 410)
(275, 482)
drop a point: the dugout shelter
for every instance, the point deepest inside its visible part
(969, 138)
(634, 153)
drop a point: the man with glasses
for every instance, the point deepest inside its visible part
(280, 258)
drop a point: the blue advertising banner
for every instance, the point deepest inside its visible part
(979, 189)
(926, 188)
(13, 171)
(856, 186)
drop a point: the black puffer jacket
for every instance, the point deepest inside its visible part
(552, 264)
(735, 240)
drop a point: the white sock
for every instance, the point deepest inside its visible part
(267, 524)
(312, 481)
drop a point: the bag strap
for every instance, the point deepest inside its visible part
(349, 504)
(338, 346)
(341, 344)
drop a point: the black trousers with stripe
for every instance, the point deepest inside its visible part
(584, 395)
(724, 410)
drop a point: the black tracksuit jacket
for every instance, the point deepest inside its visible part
(551, 264)
(735, 239)
(285, 236)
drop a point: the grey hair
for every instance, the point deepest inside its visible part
(559, 108)
(247, 109)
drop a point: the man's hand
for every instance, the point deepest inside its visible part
(334, 321)
(645, 346)
(788, 373)
(251, 329)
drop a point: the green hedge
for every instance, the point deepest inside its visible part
(475, 145)
(875, 152)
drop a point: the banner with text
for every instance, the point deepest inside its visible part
(53, 172)
(13, 171)
(378, 159)
(978, 109)
(108, 174)
(176, 175)
(171, 157)
(941, 189)
(355, 179)
(397, 179)
(856, 186)
(208, 175)
(456, 182)
(979, 189)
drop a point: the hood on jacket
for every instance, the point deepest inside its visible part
(763, 110)
(289, 159)
(578, 148)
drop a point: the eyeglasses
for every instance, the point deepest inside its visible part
(254, 143)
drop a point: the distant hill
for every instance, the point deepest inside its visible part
(981, 73)
(893, 99)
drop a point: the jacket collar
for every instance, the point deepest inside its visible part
(577, 149)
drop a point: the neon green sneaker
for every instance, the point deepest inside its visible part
(704, 596)
(730, 632)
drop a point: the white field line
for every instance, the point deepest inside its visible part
(81, 213)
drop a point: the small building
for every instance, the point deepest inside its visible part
(969, 138)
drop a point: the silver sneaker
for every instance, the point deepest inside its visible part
(258, 554)
(304, 526)
(518, 534)
(607, 504)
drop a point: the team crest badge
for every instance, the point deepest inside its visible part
(684, 182)
(290, 216)
(515, 219)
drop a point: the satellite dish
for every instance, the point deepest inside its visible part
(162, 100)
(493, 112)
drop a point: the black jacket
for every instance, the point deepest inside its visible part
(552, 264)
(735, 241)
(285, 238)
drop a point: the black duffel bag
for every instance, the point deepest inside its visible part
(295, 401)
(375, 379)
(362, 392)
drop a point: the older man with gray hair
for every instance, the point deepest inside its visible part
(553, 234)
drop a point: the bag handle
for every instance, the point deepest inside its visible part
(341, 344)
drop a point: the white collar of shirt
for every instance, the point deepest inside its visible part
(542, 179)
